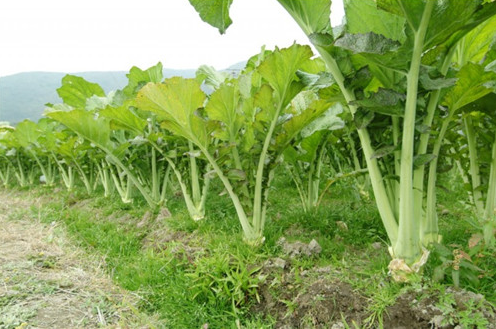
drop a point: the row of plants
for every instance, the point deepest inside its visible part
(408, 74)
(135, 141)
(400, 89)
(189, 273)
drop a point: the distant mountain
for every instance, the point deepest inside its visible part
(23, 95)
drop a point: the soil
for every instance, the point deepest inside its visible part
(48, 282)
(318, 298)
(409, 312)
(312, 301)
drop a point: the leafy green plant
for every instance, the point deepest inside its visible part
(474, 152)
(97, 131)
(132, 151)
(244, 126)
(28, 136)
(382, 61)
(169, 154)
(467, 99)
(106, 122)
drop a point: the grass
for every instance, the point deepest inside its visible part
(164, 277)
(197, 273)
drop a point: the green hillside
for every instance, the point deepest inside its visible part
(23, 95)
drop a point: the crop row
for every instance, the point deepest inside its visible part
(400, 91)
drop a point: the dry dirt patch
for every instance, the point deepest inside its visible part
(47, 282)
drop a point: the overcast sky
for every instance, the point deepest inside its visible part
(109, 35)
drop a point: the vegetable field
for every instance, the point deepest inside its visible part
(348, 184)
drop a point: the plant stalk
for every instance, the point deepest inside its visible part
(408, 244)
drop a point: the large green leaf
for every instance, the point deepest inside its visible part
(313, 16)
(84, 123)
(95, 103)
(491, 53)
(177, 100)
(214, 12)
(7, 138)
(75, 91)
(450, 19)
(27, 133)
(371, 49)
(469, 14)
(363, 17)
(443, 30)
(316, 81)
(122, 118)
(476, 43)
(279, 68)
(484, 104)
(306, 150)
(301, 102)
(471, 85)
(46, 127)
(411, 10)
(223, 106)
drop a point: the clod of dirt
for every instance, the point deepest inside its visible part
(298, 248)
(314, 248)
(326, 304)
(409, 312)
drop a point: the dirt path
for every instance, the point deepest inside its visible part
(48, 282)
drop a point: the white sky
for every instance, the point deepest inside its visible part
(109, 35)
